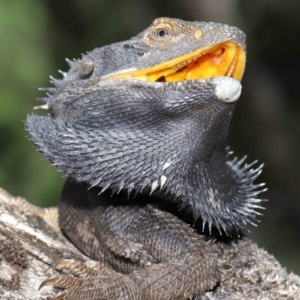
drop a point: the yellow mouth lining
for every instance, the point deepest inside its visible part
(224, 59)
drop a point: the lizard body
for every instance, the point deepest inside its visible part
(148, 118)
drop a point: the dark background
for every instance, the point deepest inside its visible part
(37, 35)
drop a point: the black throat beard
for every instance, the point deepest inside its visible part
(163, 138)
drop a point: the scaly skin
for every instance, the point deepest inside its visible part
(148, 117)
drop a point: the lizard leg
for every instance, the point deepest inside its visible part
(147, 250)
(161, 281)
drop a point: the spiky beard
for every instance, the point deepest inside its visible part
(214, 188)
(186, 163)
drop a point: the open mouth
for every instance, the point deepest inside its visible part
(224, 59)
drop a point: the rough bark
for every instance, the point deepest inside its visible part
(31, 244)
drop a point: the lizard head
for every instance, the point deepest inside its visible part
(199, 50)
(151, 114)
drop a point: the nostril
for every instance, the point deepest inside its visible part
(86, 69)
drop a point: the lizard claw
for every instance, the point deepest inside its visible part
(79, 268)
(64, 263)
(60, 296)
(47, 282)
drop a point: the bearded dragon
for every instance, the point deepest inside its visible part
(139, 127)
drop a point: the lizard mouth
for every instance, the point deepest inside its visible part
(224, 59)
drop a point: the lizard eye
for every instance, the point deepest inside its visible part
(162, 33)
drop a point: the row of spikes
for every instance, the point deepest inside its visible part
(51, 90)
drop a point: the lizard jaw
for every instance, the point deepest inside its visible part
(224, 59)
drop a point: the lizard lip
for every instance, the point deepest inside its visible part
(224, 59)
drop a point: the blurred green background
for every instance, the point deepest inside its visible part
(37, 35)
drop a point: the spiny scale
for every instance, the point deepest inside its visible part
(49, 90)
(45, 107)
(56, 82)
(70, 62)
(64, 74)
